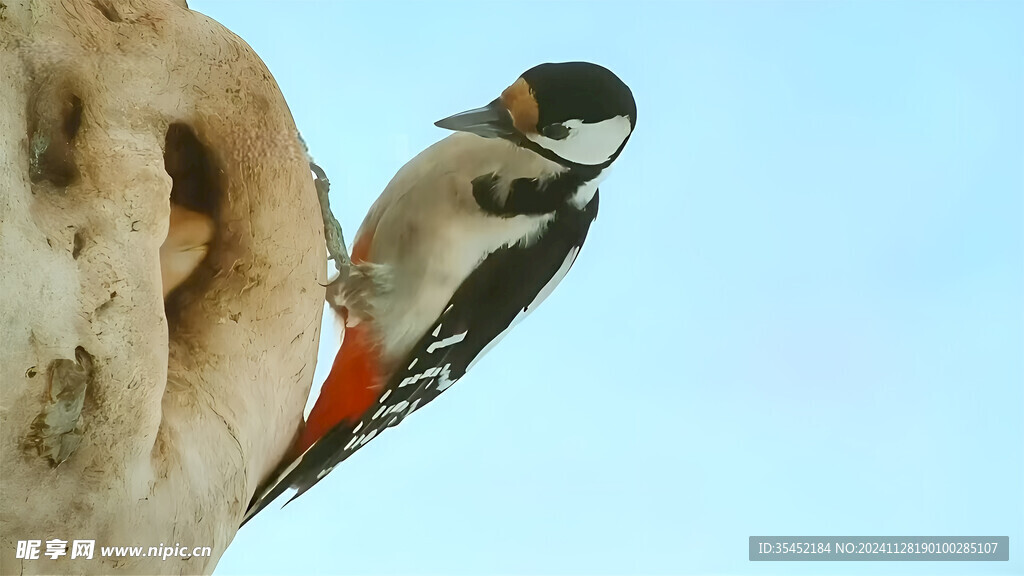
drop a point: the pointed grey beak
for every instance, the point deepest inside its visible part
(491, 121)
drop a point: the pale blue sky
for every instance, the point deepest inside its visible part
(801, 310)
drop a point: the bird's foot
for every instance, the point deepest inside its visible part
(353, 293)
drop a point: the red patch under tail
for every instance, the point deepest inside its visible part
(351, 388)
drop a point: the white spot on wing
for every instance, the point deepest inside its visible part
(368, 437)
(384, 396)
(428, 373)
(414, 360)
(436, 331)
(444, 343)
(445, 381)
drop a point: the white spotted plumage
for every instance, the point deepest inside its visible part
(445, 342)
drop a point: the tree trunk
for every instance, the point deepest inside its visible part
(125, 418)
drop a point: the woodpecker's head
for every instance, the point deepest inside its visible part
(575, 113)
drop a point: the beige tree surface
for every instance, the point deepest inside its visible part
(126, 417)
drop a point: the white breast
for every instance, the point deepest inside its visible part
(430, 232)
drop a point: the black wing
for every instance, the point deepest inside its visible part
(506, 286)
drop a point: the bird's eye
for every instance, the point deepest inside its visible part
(555, 131)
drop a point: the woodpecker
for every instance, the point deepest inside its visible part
(467, 238)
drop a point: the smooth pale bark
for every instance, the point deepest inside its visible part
(121, 420)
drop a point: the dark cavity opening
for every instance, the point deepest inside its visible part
(190, 165)
(72, 117)
(108, 10)
(196, 186)
(53, 141)
(79, 242)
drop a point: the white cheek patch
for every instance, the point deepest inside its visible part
(588, 144)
